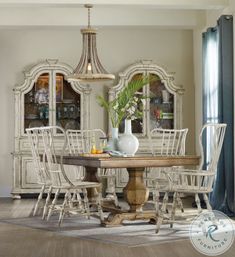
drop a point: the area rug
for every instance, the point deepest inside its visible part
(131, 234)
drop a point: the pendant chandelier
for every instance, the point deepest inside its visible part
(89, 68)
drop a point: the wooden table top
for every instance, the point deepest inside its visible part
(131, 162)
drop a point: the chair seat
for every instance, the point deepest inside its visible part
(188, 190)
(160, 184)
(107, 176)
(78, 185)
(86, 184)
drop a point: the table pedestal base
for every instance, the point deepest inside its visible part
(116, 219)
(135, 193)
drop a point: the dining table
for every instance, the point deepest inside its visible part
(135, 192)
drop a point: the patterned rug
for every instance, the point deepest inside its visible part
(130, 234)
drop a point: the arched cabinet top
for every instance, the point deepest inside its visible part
(31, 75)
(157, 111)
(147, 66)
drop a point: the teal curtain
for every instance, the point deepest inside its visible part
(218, 106)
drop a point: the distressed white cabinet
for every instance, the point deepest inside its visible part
(163, 108)
(45, 98)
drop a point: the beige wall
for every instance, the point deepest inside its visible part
(118, 48)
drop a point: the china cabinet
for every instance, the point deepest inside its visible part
(162, 108)
(45, 98)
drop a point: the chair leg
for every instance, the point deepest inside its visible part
(180, 203)
(73, 199)
(39, 200)
(45, 209)
(110, 190)
(113, 192)
(64, 205)
(99, 207)
(86, 203)
(208, 206)
(79, 200)
(198, 203)
(156, 196)
(116, 200)
(175, 200)
(51, 208)
(162, 211)
(70, 199)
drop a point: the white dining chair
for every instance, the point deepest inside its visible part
(53, 161)
(164, 142)
(90, 138)
(194, 182)
(43, 177)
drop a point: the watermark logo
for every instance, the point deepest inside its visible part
(212, 233)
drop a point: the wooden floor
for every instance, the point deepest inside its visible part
(18, 241)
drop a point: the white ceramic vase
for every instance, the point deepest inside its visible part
(112, 143)
(128, 143)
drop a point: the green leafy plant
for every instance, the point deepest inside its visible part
(126, 104)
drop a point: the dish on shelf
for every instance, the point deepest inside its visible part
(68, 101)
(166, 115)
(31, 116)
(42, 96)
(73, 124)
(167, 102)
(35, 123)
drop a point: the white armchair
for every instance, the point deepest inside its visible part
(199, 181)
(43, 177)
(82, 141)
(59, 180)
(164, 142)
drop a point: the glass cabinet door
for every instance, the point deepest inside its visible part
(52, 101)
(36, 103)
(67, 104)
(159, 112)
(161, 105)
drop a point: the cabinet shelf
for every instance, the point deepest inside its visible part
(56, 119)
(166, 118)
(60, 103)
(36, 104)
(69, 118)
(35, 119)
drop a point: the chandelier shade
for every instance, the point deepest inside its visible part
(89, 67)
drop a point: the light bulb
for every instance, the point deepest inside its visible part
(89, 66)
